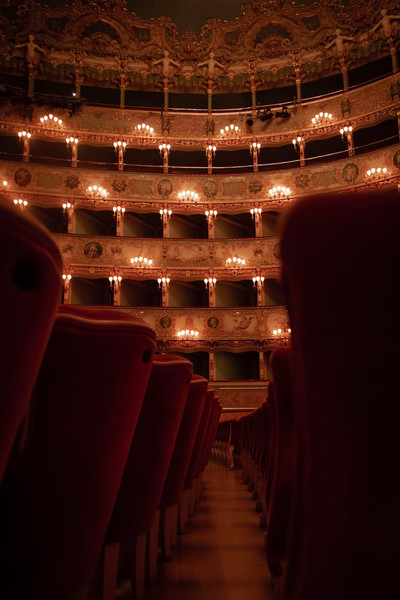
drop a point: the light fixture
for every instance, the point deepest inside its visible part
(165, 213)
(187, 334)
(144, 130)
(188, 195)
(141, 261)
(51, 120)
(322, 119)
(4, 183)
(67, 207)
(255, 147)
(24, 135)
(230, 131)
(164, 149)
(282, 334)
(258, 280)
(297, 143)
(376, 173)
(72, 141)
(163, 281)
(96, 191)
(235, 261)
(114, 280)
(280, 192)
(21, 203)
(211, 214)
(210, 151)
(210, 282)
(67, 279)
(119, 146)
(255, 211)
(283, 113)
(118, 211)
(346, 130)
(266, 115)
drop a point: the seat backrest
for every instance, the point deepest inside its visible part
(152, 447)
(185, 441)
(58, 494)
(340, 265)
(192, 470)
(30, 275)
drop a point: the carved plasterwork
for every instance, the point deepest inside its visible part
(99, 41)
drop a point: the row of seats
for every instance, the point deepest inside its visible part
(103, 442)
(322, 454)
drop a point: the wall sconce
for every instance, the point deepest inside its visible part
(141, 261)
(165, 214)
(164, 152)
(4, 183)
(21, 203)
(24, 139)
(96, 191)
(144, 130)
(210, 282)
(255, 151)
(187, 334)
(280, 192)
(115, 281)
(282, 334)
(210, 154)
(230, 131)
(347, 136)
(258, 280)
(163, 282)
(68, 207)
(118, 211)
(322, 119)
(66, 280)
(376, 173)
(235, 261)
(211, 215)
(345, 131)
(299, 146)
(119, 148)
(188, 195)
(72, 146)
(254, 212)
(51, 121)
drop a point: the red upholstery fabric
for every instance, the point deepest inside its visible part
(152, 447)
(214, 419)
(191, 472)
(57, 496)
(185, 441)
(341, 257)
(30, 274)
(285, 467)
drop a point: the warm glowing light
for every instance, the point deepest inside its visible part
(21, 203)
(280, 191)
(255, 211)
(72, 141)
(97, 191)
(141, 261)
(51, 120)
(187, 333)
(144, 130)
(230, 131)
(376, 173)
(211, 214)
(235, 261)
(322, 119)
(24, 135)
(187, 195)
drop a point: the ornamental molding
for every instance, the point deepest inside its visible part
(272, 41)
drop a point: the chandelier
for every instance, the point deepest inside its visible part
(188, 195)
(280, 192)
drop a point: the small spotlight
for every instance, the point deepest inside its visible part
(74, 93)
(249, 122)
(283, 113)
(266, 115)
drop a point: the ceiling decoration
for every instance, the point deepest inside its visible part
(269, 41)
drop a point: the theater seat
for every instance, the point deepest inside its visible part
(146, 470)
(57, 495)
(340, 269)
(30, 273)
(179, 464)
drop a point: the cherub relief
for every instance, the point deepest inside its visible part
(166, 62)
(211, 64)
(340, 43)
(31, 50)
(386, 23)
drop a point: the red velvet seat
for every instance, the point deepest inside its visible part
(58, 494)
(180, 462)
(285, 464)
(341, 257)
(147, 467)
(30, 273)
